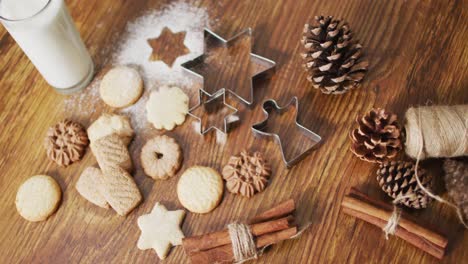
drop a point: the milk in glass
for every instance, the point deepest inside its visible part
(46, 33)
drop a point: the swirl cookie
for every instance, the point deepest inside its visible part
(200, 189)
(121, 86)
(161, 157)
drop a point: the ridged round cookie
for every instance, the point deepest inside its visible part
(38, 198)
(200, 189)
(167, 107)
(121, 86)
(161, 157)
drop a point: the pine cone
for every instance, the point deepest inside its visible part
(332, 59)
(456, 182)
(397, 179)
(378, 137)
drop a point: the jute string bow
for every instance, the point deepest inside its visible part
(243, 244)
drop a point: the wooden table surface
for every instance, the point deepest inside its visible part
(417, 52)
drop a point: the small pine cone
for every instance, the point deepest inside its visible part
(332, 59)
(398, 179)
(378, 136)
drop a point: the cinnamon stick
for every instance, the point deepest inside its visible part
(418, 242)
(369, 210)
(437, 239)
(280, 210)
(224, 254)
(220, 238)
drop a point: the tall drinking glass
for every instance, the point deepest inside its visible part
(46, 33)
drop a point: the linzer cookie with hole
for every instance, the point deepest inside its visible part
(161, 157)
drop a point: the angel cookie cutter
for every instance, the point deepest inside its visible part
(260, 130)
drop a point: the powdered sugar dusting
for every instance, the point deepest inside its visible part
(84, 103)
(178, 16)
(135, 51)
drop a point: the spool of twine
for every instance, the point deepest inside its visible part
(440, 131)
(445, 136)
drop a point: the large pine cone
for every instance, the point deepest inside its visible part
(456, 182)
(332, 59)
(397, 179)
(378, 136)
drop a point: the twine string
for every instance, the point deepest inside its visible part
(243, 244)
(445, 128)
(394, 219)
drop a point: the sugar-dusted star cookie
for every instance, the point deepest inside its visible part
(160, 229)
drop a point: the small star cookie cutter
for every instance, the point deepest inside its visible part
(267, 65)
(205, 98)
(259, 129)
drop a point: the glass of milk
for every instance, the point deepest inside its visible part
(46, 33)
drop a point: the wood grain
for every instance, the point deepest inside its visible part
(418, 54)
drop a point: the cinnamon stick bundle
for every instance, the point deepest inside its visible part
(377, 213)
(269, 227)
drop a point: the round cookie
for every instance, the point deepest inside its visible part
(200, 189)
(121, 86)
(161, 157)
(38, 198)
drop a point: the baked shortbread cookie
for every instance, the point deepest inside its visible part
(120, 190)
(108, 124)
(161, 157)
(200, 189)
(38, 198)
(89, 186)
(121, 86)
(167, 107)
(110, 151)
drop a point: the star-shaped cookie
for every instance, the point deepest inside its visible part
(168, 46)
(160, 229)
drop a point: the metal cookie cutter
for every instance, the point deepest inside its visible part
(205, 99)
(259, 129)
(263, 65)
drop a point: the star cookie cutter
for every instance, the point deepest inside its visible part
(205, 98)
(259, 129)
(267, 65)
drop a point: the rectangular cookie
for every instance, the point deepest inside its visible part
(120, 190)
(88, 185)
(111, 151)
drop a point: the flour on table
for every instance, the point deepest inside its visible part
(134, 50)
(178, 16)
(83, 103)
